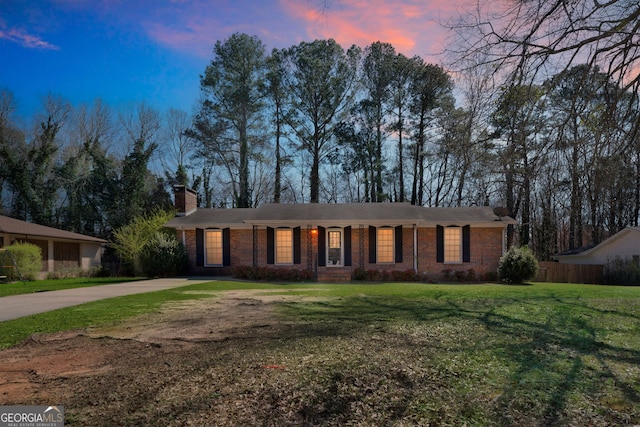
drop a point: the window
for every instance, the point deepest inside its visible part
(335, 247)
(452, 244)
(213, 247)
(385, 245)
(284, 246)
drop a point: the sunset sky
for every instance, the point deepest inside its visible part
(125, 51)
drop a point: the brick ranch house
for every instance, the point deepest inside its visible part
(335, 240)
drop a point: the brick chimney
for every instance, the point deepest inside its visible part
(186, 200)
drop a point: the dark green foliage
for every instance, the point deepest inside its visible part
(386, 276)
(21, 261)
(269, 273)
(163, 256)
(621, 271)
(517, 265)
(132, 183)
(28, 164)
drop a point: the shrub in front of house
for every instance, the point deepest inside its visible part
(21, 261)
(517, 265)
(359, 274)
(163, 256)
(128, 241)
(404, 276)
(620, 271)
(491, 276)
(274, 274)
(462, 276)
(386, 276)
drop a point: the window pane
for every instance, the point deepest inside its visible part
(284, 246)
(385, 245)
(334, 239)
(213, 246)
(452, 244)
(335, 247)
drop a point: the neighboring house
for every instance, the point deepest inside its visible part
(61, 250)
(334, 240)
(624, 245)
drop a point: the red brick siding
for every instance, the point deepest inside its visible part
(186, 199)
(486, 249)
(241, 247)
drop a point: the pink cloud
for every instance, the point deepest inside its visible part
(409, 25)
(25, 39)
(194, 26)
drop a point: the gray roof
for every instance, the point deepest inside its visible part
(335, 212)
(203, 218)
(340, 214)
(30, 230)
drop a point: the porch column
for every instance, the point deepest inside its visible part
(415, 248)
(50, 257)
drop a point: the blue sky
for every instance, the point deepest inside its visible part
(126, 51)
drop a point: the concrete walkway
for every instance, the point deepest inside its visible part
(15, 306)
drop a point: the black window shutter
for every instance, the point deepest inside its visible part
(347, 246)
(226, 247)
(372, 244)
(322, 247)
(466, 243)
(270, 245)
(296, 245)
(199, 247)
(398, 243)
(439, 243)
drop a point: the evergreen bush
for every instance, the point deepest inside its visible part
(27, 259)
(163, 256)
(620, 271)
(517, 265)
(274, 274)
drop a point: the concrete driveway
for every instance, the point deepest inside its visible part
(15, 306)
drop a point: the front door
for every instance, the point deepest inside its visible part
(334, 247)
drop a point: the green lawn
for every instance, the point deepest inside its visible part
(412, 354)
(30, 287)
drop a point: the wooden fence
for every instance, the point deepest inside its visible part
(569, 273)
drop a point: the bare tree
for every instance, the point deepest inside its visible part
(540, 33)
(178, 146)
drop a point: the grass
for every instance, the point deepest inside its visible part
(103, 312)
(406, 354)
(17, 288)
(548, 354)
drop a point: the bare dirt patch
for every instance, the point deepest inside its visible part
(53, 368)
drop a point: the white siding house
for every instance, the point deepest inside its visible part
(624, 245)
